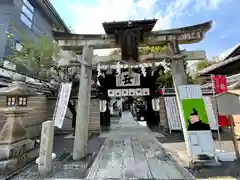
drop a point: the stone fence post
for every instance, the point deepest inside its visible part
(46, 147)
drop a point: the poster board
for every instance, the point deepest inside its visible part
(173, 116)
(195, 121)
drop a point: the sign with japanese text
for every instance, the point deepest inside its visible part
(126, 79)
(220, 83)
(62, 103)
(173, 116)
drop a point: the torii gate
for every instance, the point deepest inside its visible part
(112, 39)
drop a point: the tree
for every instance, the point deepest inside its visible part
(204, 64)
(38, 58)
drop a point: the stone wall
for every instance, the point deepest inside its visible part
(42, 109)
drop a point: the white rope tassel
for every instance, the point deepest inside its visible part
(98, 69)
(118, 70)
(153, 68)
(143, 70)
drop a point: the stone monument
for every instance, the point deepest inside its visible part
(16, 150)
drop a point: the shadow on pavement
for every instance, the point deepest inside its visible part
(63, 166)
(227, 170)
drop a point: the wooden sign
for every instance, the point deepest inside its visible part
(126, 79)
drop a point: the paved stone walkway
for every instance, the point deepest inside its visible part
(131, 151)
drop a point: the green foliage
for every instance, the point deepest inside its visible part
(144, 50)
(152, 49)
(204, 64)
(36, 58)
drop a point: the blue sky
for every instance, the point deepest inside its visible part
(86, 16)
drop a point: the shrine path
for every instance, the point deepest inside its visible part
(131, 151)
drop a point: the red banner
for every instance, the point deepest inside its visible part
(220, 85)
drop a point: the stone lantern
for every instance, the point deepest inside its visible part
(16, 150)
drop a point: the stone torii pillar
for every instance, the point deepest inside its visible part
(82, 120)
(179, 78)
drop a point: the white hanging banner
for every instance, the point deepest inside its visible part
(126, 79)
(125, 92)
(195, 122)
(211, 116)
(118, 92)
(62, 103)
(173, 116)
(111, 93)
(145, 92)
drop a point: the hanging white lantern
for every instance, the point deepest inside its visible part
(155, 104)
(103, 105)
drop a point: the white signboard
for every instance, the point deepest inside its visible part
(126, 79)
(145, 92)
(195, 124)
(139, 92)
(173, 116)
(111, 93)
(210, 112)
(125, 92)
(132, 92)
(128, 92)
(61, 105)
(118, 92)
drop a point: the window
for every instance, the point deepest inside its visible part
(27, 13)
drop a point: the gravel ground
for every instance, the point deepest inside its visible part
(63, 165)
(227, 170)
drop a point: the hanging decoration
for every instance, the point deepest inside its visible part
(98, 70)
(154, 68)
(129, 70)
(143, 70)
(103, 105)
(118, 68)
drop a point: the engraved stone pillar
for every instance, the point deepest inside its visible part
(15, 149)
(179, 78)
(46, 147)
(82, 120)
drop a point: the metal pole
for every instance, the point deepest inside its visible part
(217, 112)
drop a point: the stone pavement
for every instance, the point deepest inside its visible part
(131, 151)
